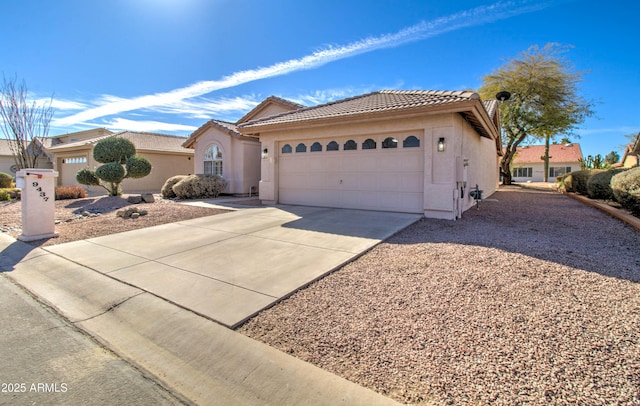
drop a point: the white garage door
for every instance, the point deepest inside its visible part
(384, 173)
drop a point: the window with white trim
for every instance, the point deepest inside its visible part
(555, 171)
(213, 161)
(523, 172)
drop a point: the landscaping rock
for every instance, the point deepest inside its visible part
(134, 199)
(148, 197)
(135, 215)
(131, 212)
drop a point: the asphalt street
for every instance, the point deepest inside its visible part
(47, 361)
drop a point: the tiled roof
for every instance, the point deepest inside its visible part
(271, 99)
(557, 153)
(141, 140)
(381, 101)
(224, 126)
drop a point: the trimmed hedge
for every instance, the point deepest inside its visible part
(167, 189)
(599, 184)
(199, 186)
(626, 189)
(578, 181)
(5, 180)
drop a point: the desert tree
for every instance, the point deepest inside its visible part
(24, 122)
(544, 100)
(119, 162)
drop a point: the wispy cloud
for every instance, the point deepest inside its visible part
(426, 29)
(146, 125)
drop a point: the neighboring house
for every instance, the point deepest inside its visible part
(631, 154)
(8, 163)
(221, 149)
(405, 151)
(528, 163)
(72, 152)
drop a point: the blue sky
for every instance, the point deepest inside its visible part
(168, 66)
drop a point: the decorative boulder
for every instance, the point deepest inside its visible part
(148, 197)
(134, 199)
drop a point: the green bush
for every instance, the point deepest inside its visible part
(113, 149)
(70, 192)
(138, 167)
(167, 189)
(599, 184)
(5, 180)
(199, 186)
(579, 180)
(87, 177)
(111, 172)
(9, 194)
(626, 189)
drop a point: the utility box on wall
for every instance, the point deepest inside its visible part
(38, 203)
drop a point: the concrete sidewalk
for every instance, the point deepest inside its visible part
(144, 294)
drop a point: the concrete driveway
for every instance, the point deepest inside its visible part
(228, 267)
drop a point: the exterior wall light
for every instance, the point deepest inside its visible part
(265, 153)
(441, 144)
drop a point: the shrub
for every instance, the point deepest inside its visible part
(579, 180)
(626, 189)
(113, 149)
(199, 186)
(562, 180)
(119, 159)
(9, 194)
(70, 192)
(599, 184)
(5, 180)
(567, 182)
(167, 188)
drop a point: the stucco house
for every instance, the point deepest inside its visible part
(220, 149)
(71, 152)
(631, 153)
(528, 164)
(409, 151)
(8, 163)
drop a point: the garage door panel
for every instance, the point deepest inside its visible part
(389, 180)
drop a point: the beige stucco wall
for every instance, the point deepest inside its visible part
(240, 159)
(163, 166)
(439, 167)
(6, 162)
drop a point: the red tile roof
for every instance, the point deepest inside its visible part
(384, 100)
(557, 153)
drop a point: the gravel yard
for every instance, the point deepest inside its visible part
(534, 299)
(79, 219)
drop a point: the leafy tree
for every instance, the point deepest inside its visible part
(119, 161)
(24, 122)
(611, 158)
(592, 162)
(544, 100)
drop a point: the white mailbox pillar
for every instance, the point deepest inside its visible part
(38, 203)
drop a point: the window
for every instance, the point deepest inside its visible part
(75, 160)
(523, 172)
(411, 142)
(351, 144)
(316, 146)
(369, 144)
(286, 149)
(332, 146)
(213, 161)
(301, 148)
(390, 142)
(558, 171)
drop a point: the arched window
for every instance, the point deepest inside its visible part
(286, 149)
(390, 142)
(369, 144)
(411, 142)
(316, 146)
(351, 144)
(213, 160)
(301, 148)
(332, 146)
